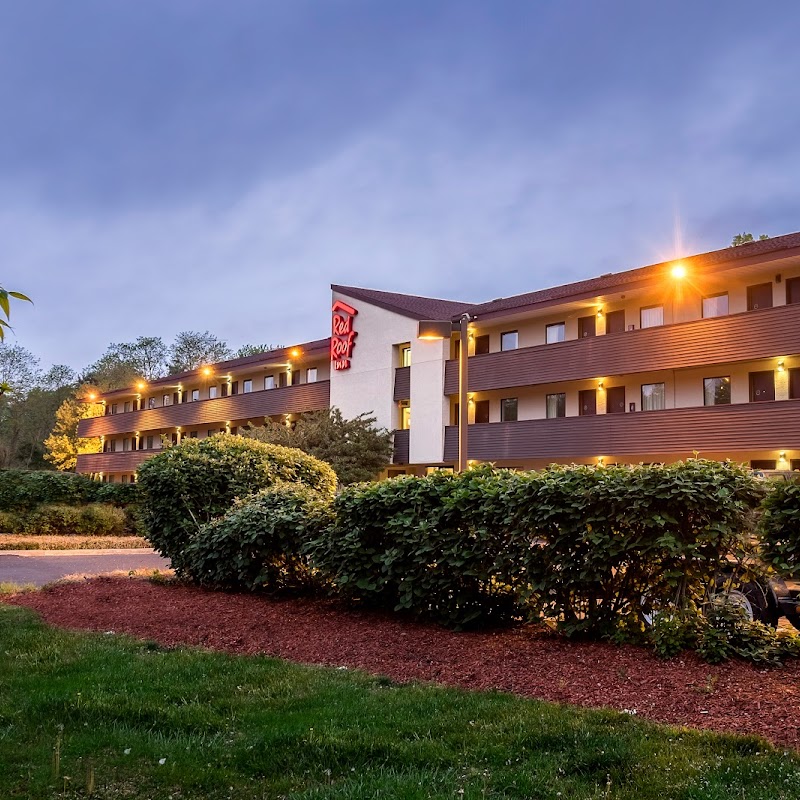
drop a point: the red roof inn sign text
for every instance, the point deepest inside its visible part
(342, 335)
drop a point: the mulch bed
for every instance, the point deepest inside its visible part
(528, 661)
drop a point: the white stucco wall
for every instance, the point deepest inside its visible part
(429, 407)
(368, 386)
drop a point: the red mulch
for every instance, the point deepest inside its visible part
(529, 661)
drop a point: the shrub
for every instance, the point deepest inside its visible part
(780, 527)
(581, 545)
(188, 485)
(92, 519)
(437, 546)
(261, 542)
(618, 541)
(23, 490)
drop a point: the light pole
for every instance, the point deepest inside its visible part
(431, 329)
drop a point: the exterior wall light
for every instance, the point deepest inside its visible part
(600, 460)
(600, 385)
(781, 366)
(678, 271)
(782, 455)
(207, 371)
(141, 385)
(295, 352)
(599, 313)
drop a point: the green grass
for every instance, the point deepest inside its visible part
(81, 712)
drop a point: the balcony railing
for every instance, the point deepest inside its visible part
(214, 413)
(113, 462)
(751, 335)
(400, 447)
(714, 429)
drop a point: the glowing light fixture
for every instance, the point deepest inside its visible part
(92, 396)
(678, 271)
(141, 385)
(206, 371)
(600, 385)
(781, 366)
(295, 352)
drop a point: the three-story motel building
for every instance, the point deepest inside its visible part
(647, 365)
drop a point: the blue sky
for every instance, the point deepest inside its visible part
(182, 164)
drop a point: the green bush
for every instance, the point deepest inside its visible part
(24, 490)
(591, 548)
(186, 486)
(91, 519)
(620, 541)
(439, 546)
(780, 527)
(261, 542)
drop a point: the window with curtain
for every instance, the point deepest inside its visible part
(653, 397)
(509, 340)
(715, 306)
(508, 409)
(556, 405)
(557, 332)
(652, 316)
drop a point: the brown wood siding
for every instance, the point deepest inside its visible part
(402, 383)
(401, 447)
(722, 429)
(214, 413)
(114, 462)
(738, 337)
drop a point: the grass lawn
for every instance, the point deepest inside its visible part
(106, 716)
(13, 541)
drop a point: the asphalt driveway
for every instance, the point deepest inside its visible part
(45, 566)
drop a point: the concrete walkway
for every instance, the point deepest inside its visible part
(45, 566)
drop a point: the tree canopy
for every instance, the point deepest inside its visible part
(745, 238)
(355, 448)
(192, 349)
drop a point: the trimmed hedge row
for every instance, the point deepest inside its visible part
(780, 527)
(587, 547)
(24, 490)
(91, 519)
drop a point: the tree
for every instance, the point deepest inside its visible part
(63, 444)
(254, 349)
(745, 238)
(192, 349)
(355, 448)
(124, 363)
(5, 308)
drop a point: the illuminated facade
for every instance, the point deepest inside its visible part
(651, 364)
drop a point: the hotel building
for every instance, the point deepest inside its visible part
(646, 365)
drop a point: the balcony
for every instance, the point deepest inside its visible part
(400, 455)
(747, 336)
(113, 462)
(214, 413)
(402, 384)
(714, 429)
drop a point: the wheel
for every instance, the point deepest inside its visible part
(756, 601)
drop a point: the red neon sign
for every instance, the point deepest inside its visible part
(342, 334)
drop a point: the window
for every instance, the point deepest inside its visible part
(193, 435)
(795, 465)
(150, 442)
(127, 406)
(151, 402)
(311, 375)
(224, 389)
(405, 355)
(195, 395)
(114, 408)
(793, 291)
(282, 379)
(653, 397)
(126, 445)
(482, 344)
(508, 409)
(212, 392)
(759, 296)
(715, 306)
(124, 479)
(235, 387)
(481, 412)
(555, 333)
(166, 400)
(509, 340)
(295, 378)
(762, 386)
(652, 316)
(717, 391)
(556, 405)
(269, 382)
(405, 418)
(234, 430)
(212, 432)
(794, 384)
(763, 463)
(247, 386)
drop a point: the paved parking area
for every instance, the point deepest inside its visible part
(44, 566)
